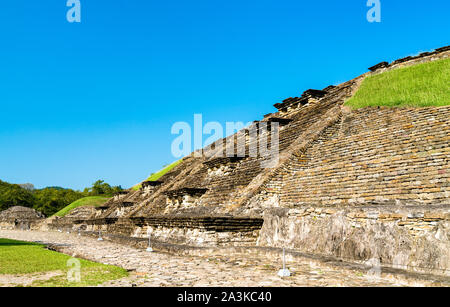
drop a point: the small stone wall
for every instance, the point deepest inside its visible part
(402, 237)
(201, 231)
(20, 218)
(197, 236)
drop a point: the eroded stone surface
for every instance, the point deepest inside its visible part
(160, 269)
(20, 218)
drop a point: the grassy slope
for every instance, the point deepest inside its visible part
(93, 201)
(421, 85)
(17, 257)
(159, 174)
(99, 200)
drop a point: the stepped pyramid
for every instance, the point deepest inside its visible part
(357, 185)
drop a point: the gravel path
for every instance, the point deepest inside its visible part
(160, 269)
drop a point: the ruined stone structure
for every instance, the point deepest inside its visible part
(66, 223)
(20, 218)
(355, 185)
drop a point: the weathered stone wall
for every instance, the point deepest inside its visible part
(20, 218)
(402, 237)
(374, 185)
(197, 236)
(195, 231)
(375, 154)
(66, 223)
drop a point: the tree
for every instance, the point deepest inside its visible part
(51, 199)
(13, 195)
(100, 187)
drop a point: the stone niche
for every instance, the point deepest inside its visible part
(124, 208)
(100, 210)
(280, 121)
(379, 66)
(220, 166)
(120, 195)
(290, 104)
(184, 198)
(199, 230)
(294, 103)
(126, 204)
(259, 128)
(150, 186)
(96, 224)
(313, 96)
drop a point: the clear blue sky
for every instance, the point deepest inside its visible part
(96, 100)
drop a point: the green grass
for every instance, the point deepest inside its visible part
(159, 174)
(18, 258)
(421, 85)
(93, 201)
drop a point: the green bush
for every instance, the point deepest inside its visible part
(51, 199)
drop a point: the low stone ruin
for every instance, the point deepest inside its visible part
(22, 218)
(66, 223)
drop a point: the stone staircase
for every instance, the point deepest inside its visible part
(332, 163)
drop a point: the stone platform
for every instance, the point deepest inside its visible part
(240, 268)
